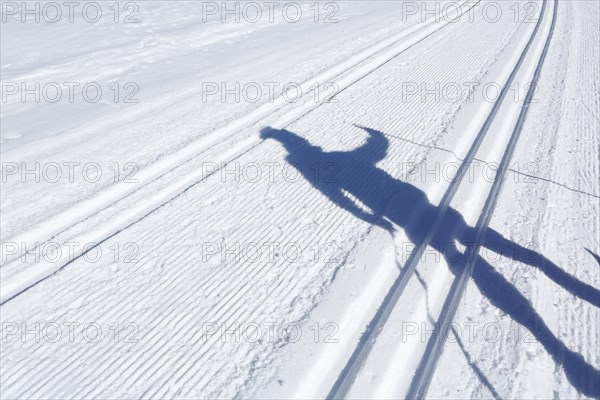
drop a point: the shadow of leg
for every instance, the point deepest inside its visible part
(502, 294)
(498, 243)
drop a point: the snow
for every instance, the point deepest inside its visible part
(204, 236)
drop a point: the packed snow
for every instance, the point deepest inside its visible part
(300, 199)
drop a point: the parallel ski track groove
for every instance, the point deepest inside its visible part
(435, 348)
(357, 359)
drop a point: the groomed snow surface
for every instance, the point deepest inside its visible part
(300, 199)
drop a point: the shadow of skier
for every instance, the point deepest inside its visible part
(387, 202)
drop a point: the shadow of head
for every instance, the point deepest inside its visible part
(271, 133)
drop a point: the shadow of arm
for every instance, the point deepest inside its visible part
(335, 194)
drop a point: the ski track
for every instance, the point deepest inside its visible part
(420, 387)
(572, 320)
(409, 272)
